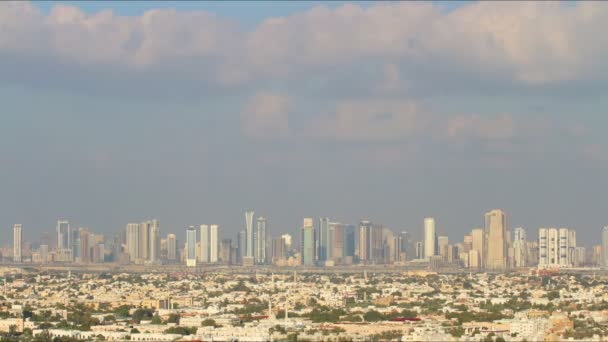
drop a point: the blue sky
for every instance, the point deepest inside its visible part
(383, 111)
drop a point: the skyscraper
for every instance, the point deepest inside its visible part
(308, 241)
(204, 252)
(323, 239)
(260, 241)
(496, 240)
(64, 241)
(214, 243)
(144, 240)
(191, 247)
(171, 247)
(154, 250)
(133, 241)
(478, 247)
(430, 238)
(241, 246)
(604, 262)
(226, 251)
(336, 241)
(17, 243)
(520, 248)
(249, 234)
(442, 246)
(84, 245)
(366, 234)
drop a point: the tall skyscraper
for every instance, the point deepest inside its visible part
(214, 243)
(260, 241)
(171, 247)
(496, 240)
(133, 241)
(63, 234)
(323, 239)
(154, 250)
(191, 247)
(144, 240)
(241, 246)
(307, 241)
(249, 233)
(17, 243)
(430, 238)
(442, 246)
(366, 241)
(204, 252)
(84, 245)
(226, 251)
(478, 247)
(604, 262)
(520, 247)
(336, 241)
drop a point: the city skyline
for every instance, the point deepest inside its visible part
(191, 119)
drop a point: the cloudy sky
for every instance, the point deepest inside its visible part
(193, 112)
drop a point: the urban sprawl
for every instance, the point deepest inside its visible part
(341, 282)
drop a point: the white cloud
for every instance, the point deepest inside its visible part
(266, 116)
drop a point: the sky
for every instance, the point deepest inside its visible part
(193, 112)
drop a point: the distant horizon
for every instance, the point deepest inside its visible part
(392, 111)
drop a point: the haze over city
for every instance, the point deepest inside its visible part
(195, 112)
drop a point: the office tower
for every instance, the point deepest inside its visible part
(260, 241)
(308, 241)
(580, 258)
(520, 248)
(191, 246)
(44, 253)
(324, 244)
(84, 245)
(144, 240)
(17, 242)
(64, 235)
(604, 262)
(430, 238)
(249, 233)
(478, 245)
(388, 246)
(419, 250)
(377, 243)
(496, 240)
(278, 249)
(241, 246)
(405, 249)
(133, 241)
(467, 243)
(214, 243)
(154, 249)
(204, 244)
(171, 247)
(366, 235)
(442, 244)
(337, 241)
(596, 255)
(226, 251)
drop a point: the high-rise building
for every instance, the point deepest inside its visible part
(419, 250)
(226, 251)
(214, 243)
(84, 245)
(154, 250)
(324, 244)
(366, 238)
(241, 246)
(64, 235)
(442, 244)
(430, 238)
(144, 240)
(249, 234)
(336, 241)
(496, 240)
(278, 249)
(260, 241)
(557, 247)
(133, 241)
(17, 243)
(478, 245)
(604, 262)
(520, 248)
(171, 247)
(204, 252)
(191, 247)
(308, 242)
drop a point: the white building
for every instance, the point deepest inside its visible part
(204, 243)
(171, 247)
(260, 241)
(17, 243)
(430, 238)
(214, 243)
(191, 247)
(133, 241)
(556, 247)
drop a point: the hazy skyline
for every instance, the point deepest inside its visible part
(390, 112)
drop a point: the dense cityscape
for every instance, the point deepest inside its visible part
(342, 282)
(494, 247)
